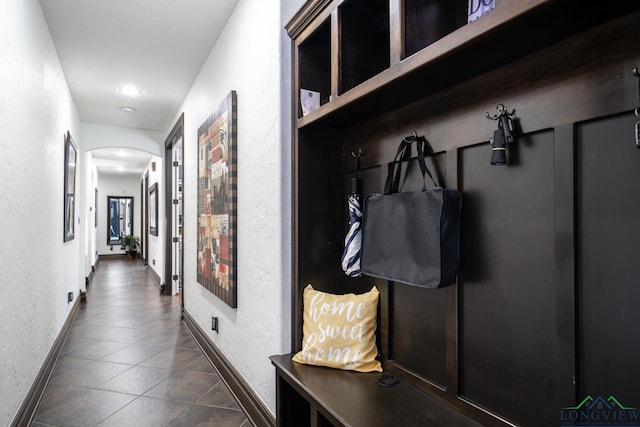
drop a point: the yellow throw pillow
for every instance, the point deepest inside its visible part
(339, 330)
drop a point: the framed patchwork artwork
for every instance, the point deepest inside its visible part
(217, 201)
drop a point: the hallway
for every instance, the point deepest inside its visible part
(129, 361)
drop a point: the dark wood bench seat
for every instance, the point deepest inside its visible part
(317, 396)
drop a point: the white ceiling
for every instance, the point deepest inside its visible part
(159, 46)
(123, 162)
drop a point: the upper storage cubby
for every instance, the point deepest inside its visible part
(426, 21)
(366, 57)
(314, 58)
(364, 41)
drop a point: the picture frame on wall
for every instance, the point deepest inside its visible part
(153, 210)
(217, 201)
(70, 161)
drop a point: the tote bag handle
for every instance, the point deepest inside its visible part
(394, 170)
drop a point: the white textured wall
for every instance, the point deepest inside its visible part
(37, 268)
(246, 58)
(156, 243)
(90, 225)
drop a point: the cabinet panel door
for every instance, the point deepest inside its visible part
(608, 223)
(417, 316)
(418, 340)
(320, 201)
(507, 294)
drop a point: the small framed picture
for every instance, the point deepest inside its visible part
(153, 210)
(70, 158)
(309, 100)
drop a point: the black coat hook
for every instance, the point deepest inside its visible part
(636, 73)
(637, 110)
(411, 138)
(355, 185)
(502, 136)
(501, 112)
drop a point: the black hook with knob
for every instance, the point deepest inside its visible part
(355, 182)
(637, 111)
(501, 136)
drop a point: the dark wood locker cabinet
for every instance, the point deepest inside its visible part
(544, 312)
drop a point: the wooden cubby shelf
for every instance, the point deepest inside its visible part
(427, 21)
(436, 55)
(364, 41)
(315, 63)
(547, 254)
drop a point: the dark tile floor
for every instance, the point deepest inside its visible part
(129, 361)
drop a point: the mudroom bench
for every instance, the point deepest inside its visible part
(318, 396)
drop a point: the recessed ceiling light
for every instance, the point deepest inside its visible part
(120, 169)
(128, 109)
(130, 90)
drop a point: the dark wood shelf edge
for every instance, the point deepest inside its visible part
(499, 38)
(402, 401)
(304, 16)
(282, 364)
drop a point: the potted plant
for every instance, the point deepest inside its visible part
(130, 243)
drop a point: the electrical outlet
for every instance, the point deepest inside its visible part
(214, 324)
(69, 297)
(153, 262)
